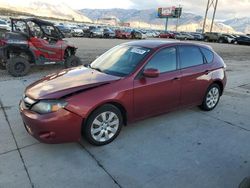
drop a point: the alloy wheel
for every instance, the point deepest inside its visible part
(105, 126)
(212, 97)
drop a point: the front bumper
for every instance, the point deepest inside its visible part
(78, 34)
(97, 35)
(58, 127)
(111, 35)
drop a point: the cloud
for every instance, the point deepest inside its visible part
(226, 8)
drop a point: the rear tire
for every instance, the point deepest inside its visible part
(211, 98)
(103, 125)
(220, 41)
(18, 66)
(72, 61)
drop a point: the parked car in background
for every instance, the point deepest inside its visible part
(65, 30)
(231, 39)
(197, 36)
(150, 34)
(146, 79)
(211, 37)
(157, 34)
(137, 34)
(4, 25)
(108, 33)
(87, 30)
(166, 35)
(226, 38)
(123, 33)
(184, 36)
(96, 32)
(245, 40)
(77, 32)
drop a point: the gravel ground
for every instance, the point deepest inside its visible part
(188, 148)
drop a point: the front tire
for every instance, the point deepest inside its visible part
(18, 66)
(103, 125)
(72, 61)
(211, 98)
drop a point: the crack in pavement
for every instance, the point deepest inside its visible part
(227, 122)
(18, 149)
(6, 107)
(100, 165)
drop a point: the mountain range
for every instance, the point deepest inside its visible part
(45, 9)
(136, 18)
(148, 18)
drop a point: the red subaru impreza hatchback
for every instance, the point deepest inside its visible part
(130, 82)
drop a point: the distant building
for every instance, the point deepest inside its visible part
(124, 24)
(112, 20)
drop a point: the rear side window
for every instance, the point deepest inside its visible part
(209, 55)
(164, 61)
(190, 56)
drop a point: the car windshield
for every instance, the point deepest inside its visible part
(2, 22)
(120, 60)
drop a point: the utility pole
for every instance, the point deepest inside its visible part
(210, 4)
(166, 25)
(178, 19)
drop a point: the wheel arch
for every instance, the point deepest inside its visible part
(114, 103)
(19, 50)
(70, 50)
(220, 84)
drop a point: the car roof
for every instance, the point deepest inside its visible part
(154, 44)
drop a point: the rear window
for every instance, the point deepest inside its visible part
(190, 56)
(209, 55)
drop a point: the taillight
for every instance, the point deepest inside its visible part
(3, 42)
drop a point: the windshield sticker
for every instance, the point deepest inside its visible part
(138, 51)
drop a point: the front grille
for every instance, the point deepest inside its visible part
(28, 102)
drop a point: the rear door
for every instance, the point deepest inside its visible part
(195, 75)
(157, 95)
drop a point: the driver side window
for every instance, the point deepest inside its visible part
(164, 60)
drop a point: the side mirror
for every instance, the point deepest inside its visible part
(151, 73)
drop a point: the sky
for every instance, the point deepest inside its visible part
(226, 8)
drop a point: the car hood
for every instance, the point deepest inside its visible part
(67, 82)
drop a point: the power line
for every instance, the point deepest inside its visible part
(211, 4)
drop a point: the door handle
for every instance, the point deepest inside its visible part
(176, 78)
(207, 72)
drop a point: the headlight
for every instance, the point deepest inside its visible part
(45, 107)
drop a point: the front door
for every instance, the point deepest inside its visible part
(157, 95)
